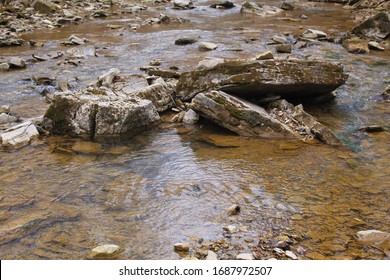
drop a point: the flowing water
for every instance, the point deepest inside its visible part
(62, 196)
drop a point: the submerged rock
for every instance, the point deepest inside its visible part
(260, 10)
(289, 79)
(285, 48)
(108, 251)
(372, 236)
(19, 135)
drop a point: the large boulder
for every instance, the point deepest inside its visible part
(19, 135)
(285, 78)
(375, 28)
(259, 10)
(98, 113)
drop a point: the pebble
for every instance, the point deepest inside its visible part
(245, 256)
(106, 251)
(230, 229)
(206, 46)
(182, 247)
(375, 46)
(233, 210)
(211, 256)
(291, 255)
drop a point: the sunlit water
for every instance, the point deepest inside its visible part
(163, 186)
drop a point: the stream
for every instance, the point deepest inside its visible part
(175, 182)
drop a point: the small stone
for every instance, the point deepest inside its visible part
(4, 66)
(5, 109)
(245, 256)
(206, 46)
(356, 45)
(17, 62)
(286, 48)
(279, 39)
(265, 55)
(5, 118)
(107, 251)
(185, 41)
(182, 247)
(287, 6)
(375, 46)
(279, 251)
(76, 40)
(233, 210)
(190, 117)
(211, 256)
(291, 255)
(372, 236)
(183, 4)
(314, 34)
(108, 78)
(230, 229)
(223, 5)
(304, 17)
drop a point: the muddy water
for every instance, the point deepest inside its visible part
(63, 196)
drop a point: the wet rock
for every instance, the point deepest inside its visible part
(100, 14)
(291, 255)
(44, 80)
(183, 4)
(287, 6)
(230, 229)
(6, 109)
(4, 66)
(233, 210)
(108, 78)
(265, 55)
(375, 28)
(279, 39)
(211, 256)
(206, 46)
(98, 113)
(5, 118)
(185, 41)
(314, 34)
(76, 40)
(190, 117)
(223, 5)
(372, 236)
(386, 93)
(87, 147)
(304, 17)
(63, 85)
(166, 74)
(178, 117)
(260, 10)
(372, 128)
(17, 62)
(209, 62)
(245, 256)
(356, 45)
(108, 251)
(81, 52)
(182, 247)
(263, 77)
(44, 7)
(375, 46)
(19, 135)
(285, 48)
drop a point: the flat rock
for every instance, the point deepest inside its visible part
(245, 256)
(185, 41)
(291, 255)
(265, 55)
(375, 46)
(261, 78)
(356, 45)
(372, 236)
(211, 256)
(19, 135)
(209, 62)
(17, 62)
(183, 4)
(259, 10)
(284, 48)
(314, 34)
(107, 251)
(206, 46)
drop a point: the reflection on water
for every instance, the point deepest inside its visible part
(63, 196)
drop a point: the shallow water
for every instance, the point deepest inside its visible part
(163, 186)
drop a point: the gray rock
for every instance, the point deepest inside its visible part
(206, 46)
(4, 66)
(5, 118)
(291, 255)
(211, 256)
(374, 28)
(260, 10)
(183, 4)
(19, 135)
(245, 256)
(108, 78)
(107, 251)
(265, 55)
(263, 77)
(190, 117)
(285, 48)
(279, 39)
(314, 34)
(17, 62)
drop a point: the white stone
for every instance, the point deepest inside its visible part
(190, 117)
(211, 256)
(230, 229)
(107, 78)
(106, 251)
(76, 40)
(291, 255)
(19, 135)
(314, 34)
(245, 256)
(372, 236)
(375, 46)
(206, 46)
(4, 66)
(17, 62)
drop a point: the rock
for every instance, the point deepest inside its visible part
(5, 118)
(386, 93)
(5, 109)
(206, 46)
(265, 55)
(183, 5)
(230, 229)
(372, 236)
(44, 7)
(108, 78)
(287, 6)
(19, 135)
(285, 48)
(190, 117)
(233, 210)
(87, 147)
(356, 45)
(279, 39)
(314, 34)
(166, 74)
(108, 251)
(291, 255)
(44, 80)
(185, 41)
(260, 10)
(245, 256)
(375, 46)
(223, 5)
(209, 63)
(17, 62)
(263, 77)
(81, 52)
(4, 66)
(76, 40)
(98, 113)
(100, 14)
(182, 247)
(372, 128)
(304, 17)
(178, 117)
(63, 85)
(211, 256)
(375, 28)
